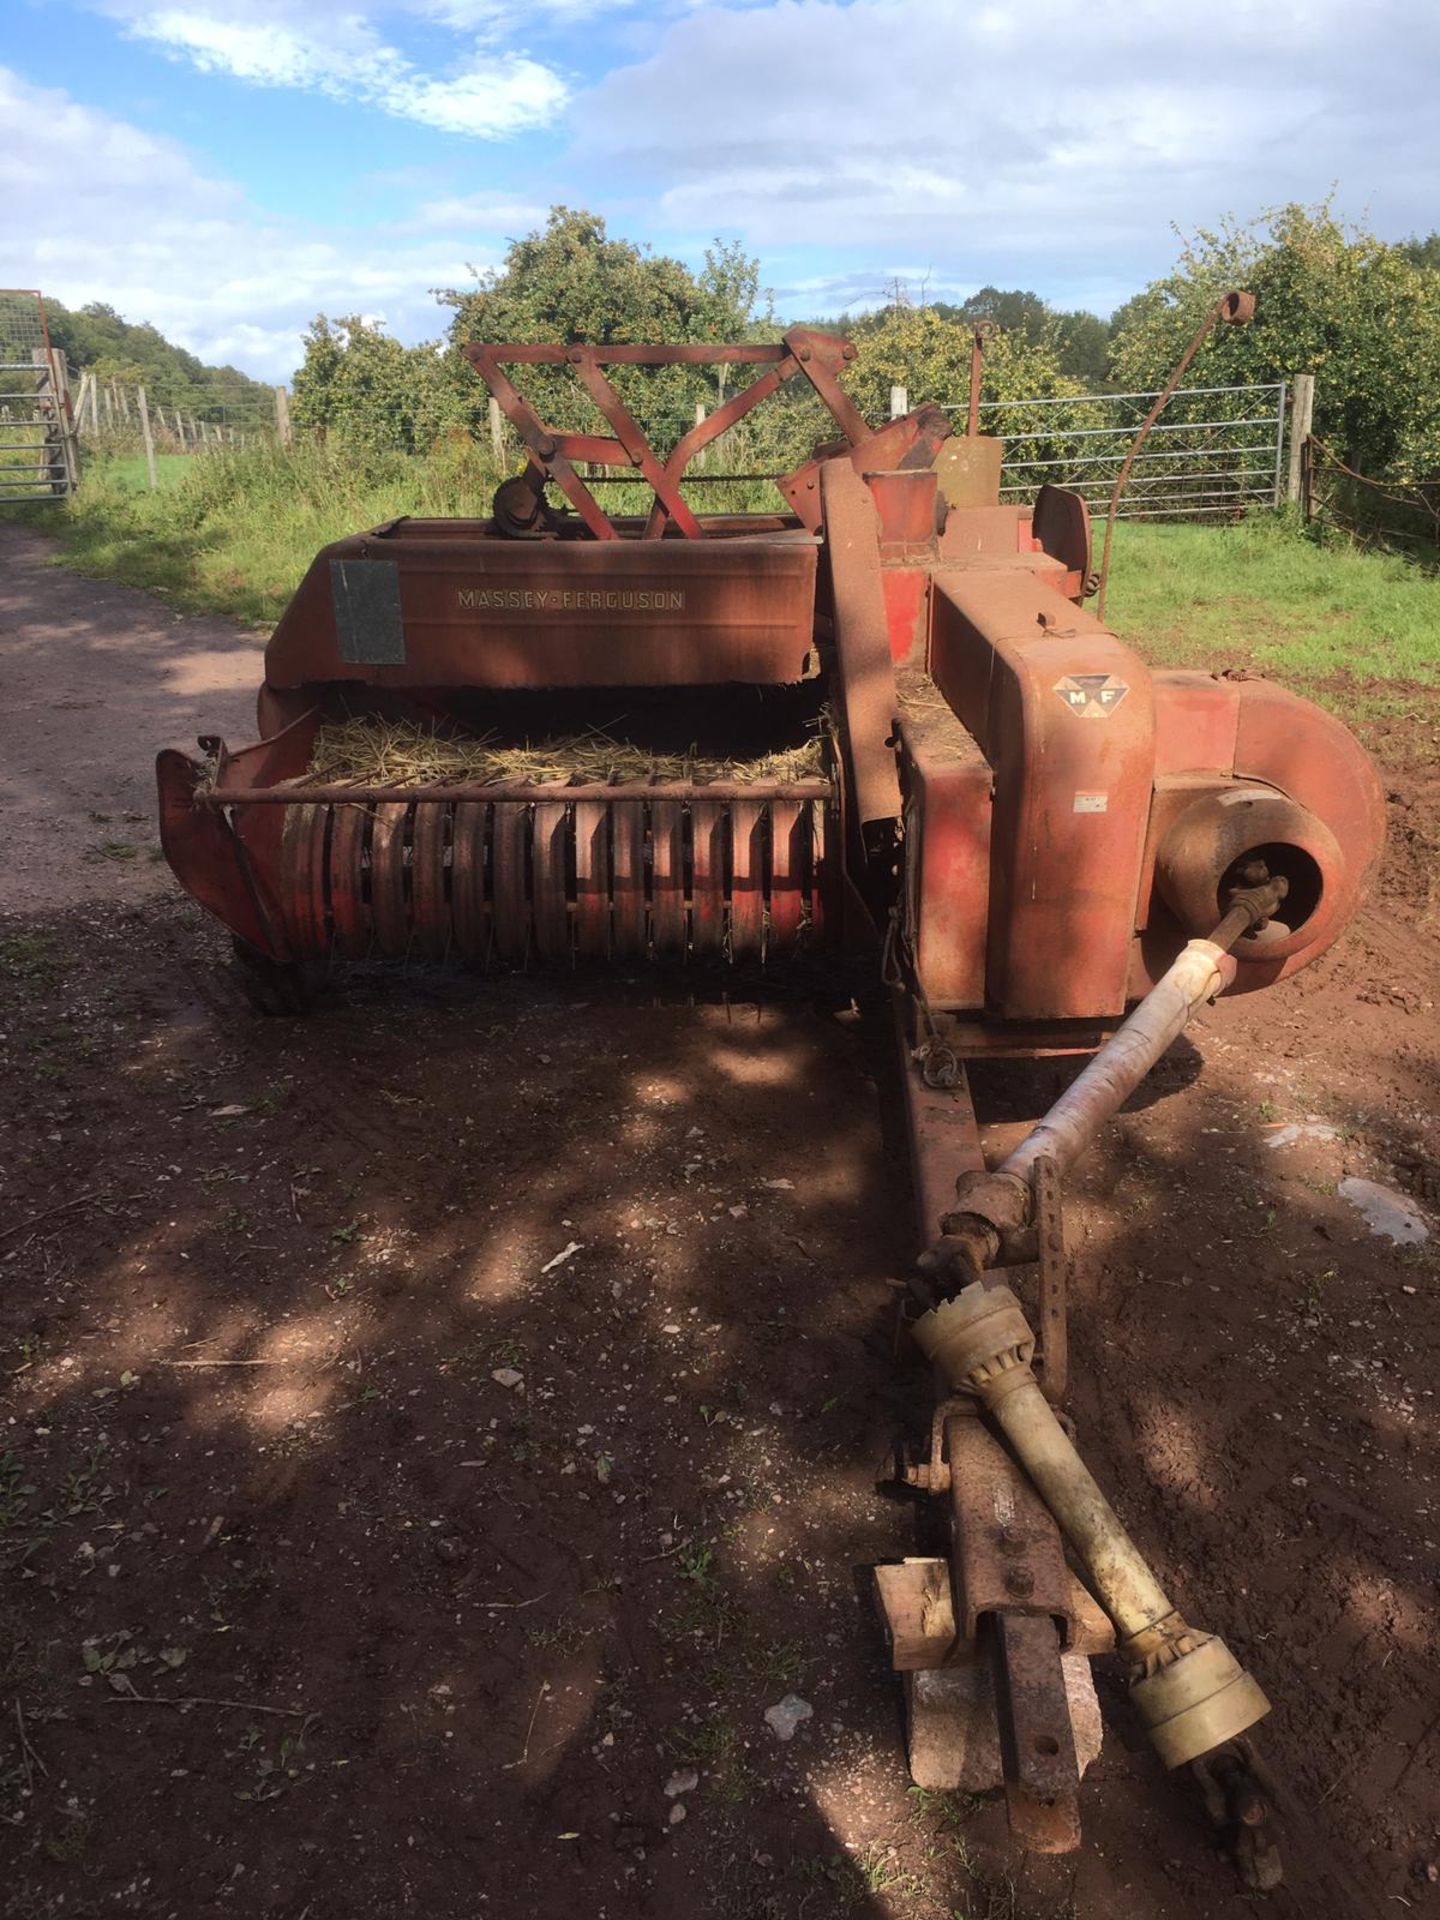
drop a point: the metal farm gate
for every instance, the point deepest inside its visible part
(38, 455)
(1214, 450)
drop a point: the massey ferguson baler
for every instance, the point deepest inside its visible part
(881, 720)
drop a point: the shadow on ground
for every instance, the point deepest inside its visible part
(440, 1425)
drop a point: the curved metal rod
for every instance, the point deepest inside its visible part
(1237, 309)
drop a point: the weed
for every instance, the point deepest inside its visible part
(715, 1749)
(15, 1490)
(275, 1772)
(880, 1873)
(695, 1562)
(27, 956)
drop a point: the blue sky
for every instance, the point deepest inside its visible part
(230, 170)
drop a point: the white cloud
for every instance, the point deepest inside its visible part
(1052, 144)
(124, 216)
(317, 46)
(482, 212)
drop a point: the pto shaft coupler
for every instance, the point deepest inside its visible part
(1189, 1689)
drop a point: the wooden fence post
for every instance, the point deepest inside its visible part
(282, 416)
(142, 401)
(1302, 419)
(497, 432)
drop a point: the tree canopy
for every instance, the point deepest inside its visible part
(1359, 313)
(95, 338)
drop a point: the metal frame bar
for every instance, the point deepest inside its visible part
(820, 357)
(1078, 399)
(1107, 459)
(1167, 426)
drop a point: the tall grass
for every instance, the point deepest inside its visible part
(234, 532)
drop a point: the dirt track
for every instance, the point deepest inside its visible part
(256, 1281)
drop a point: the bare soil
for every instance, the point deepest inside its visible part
(308, 1615)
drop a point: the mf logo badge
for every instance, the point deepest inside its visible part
(1093, 696)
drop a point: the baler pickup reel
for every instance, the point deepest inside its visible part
(882, 719)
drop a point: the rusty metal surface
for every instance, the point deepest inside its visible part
(664, 875)
(1037, 1744)
(910, 442)
(944, 1134)
(358, 793)
(968, 471)
(1061, 523)
(1063, 713)
(1054, 1357)
(820, 357)
(480, 611)
(1005, 1547)
(947, 783)
(865, 672)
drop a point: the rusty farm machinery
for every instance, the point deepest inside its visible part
(881, 719)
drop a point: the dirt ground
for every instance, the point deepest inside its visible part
(432, 1426)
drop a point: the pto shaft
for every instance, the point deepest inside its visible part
(1190, 1691)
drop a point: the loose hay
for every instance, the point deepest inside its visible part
(372, 751)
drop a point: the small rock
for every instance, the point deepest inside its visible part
(779, 1186)
(1385, 1211)
(739, 1212)
(677, 1813)
(450, 1550)
(227, 1113)
(1299, 1130)
(684, 1780)
(786, 1715)
(507, 1377)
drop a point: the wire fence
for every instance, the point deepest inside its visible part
(1375, 512)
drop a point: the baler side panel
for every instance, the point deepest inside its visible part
(1064, 714)
(499, 613)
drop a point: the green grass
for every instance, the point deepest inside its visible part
(1330, 620)
(234, 533)
(128, 471)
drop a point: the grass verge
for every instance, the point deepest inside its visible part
(1356, 630)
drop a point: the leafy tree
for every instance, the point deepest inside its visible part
(928, 354)
(1357, 312)
(1084, 347)
(368, 390)
(1424, 253)
(570, 282)
(97, 338)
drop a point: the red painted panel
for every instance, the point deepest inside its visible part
(484, 611)
(906, 611)
(1064, 714)
(1196, 715)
